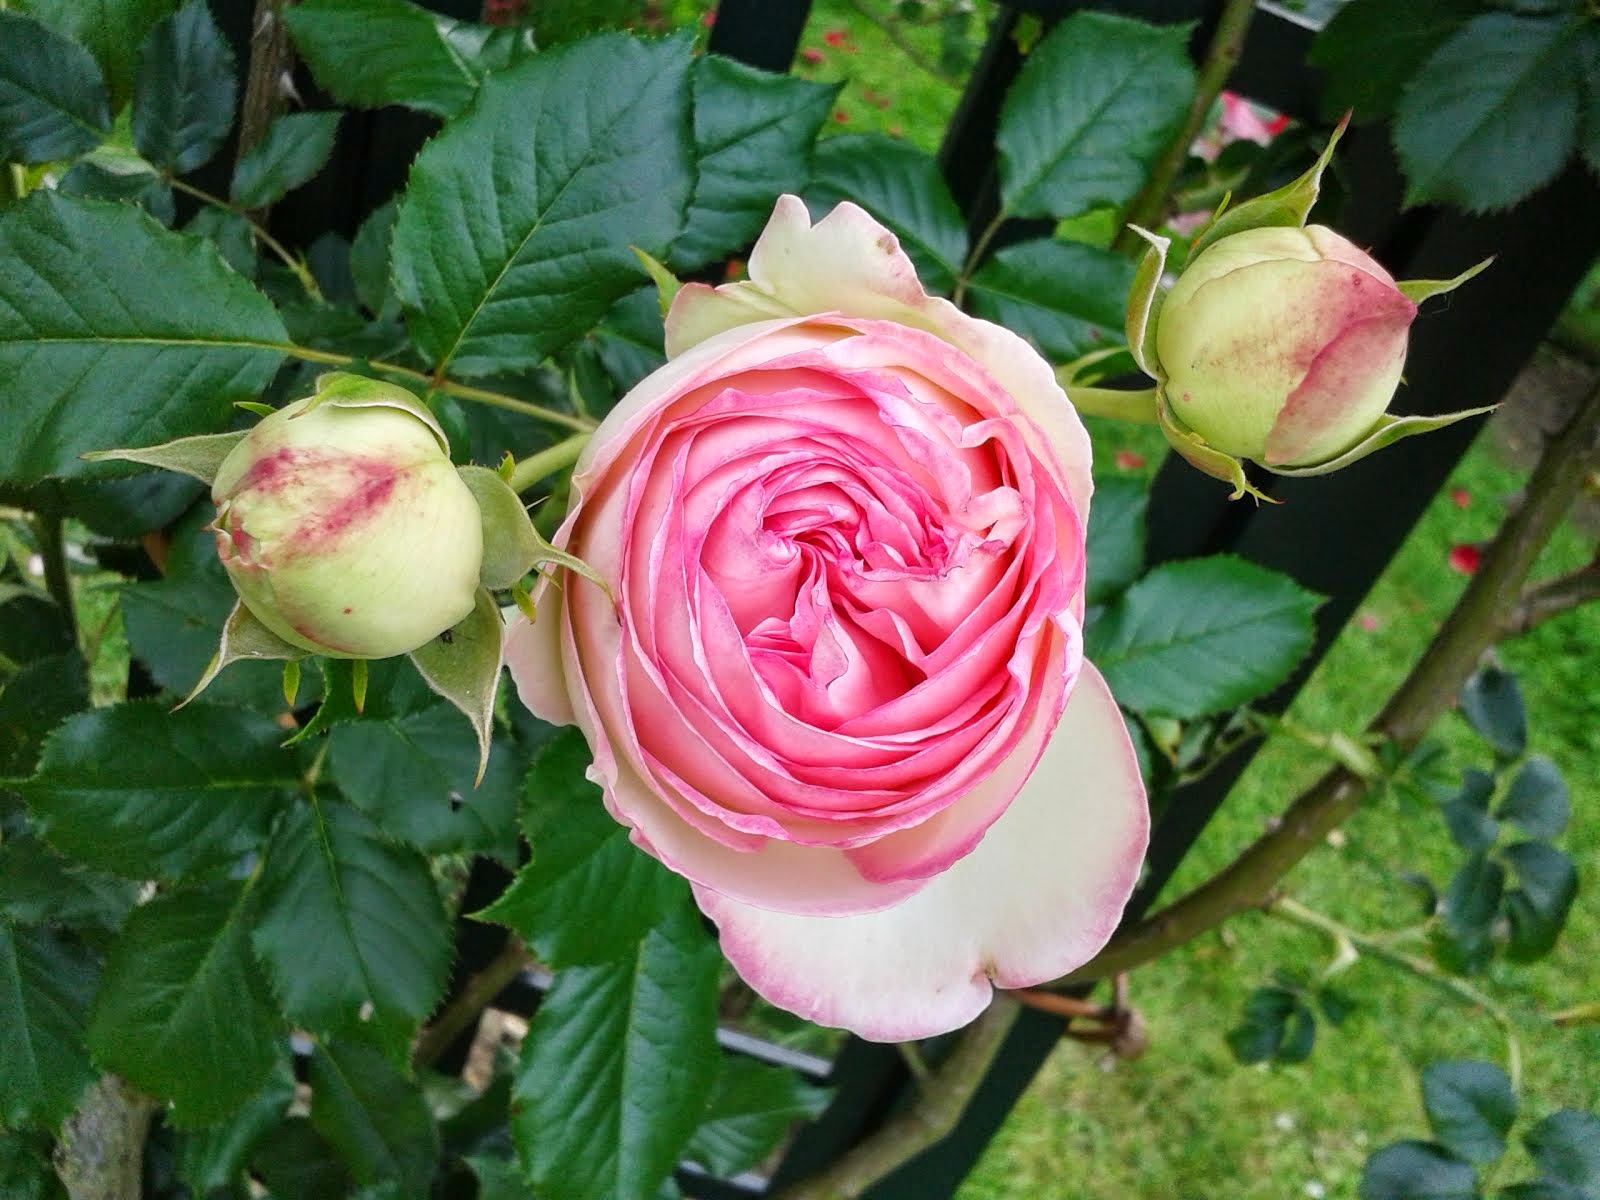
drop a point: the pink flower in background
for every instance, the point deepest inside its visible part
(1238, 120)
(841, 687)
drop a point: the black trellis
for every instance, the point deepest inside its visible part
(1335, 535)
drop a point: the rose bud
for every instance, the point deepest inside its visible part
(343, 524)
(1280, 343)
(1283, 345)
(838, 678)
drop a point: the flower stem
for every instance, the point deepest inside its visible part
(979, 249)
(448, 387)
(1288, 909)
(1139, 406)
(1227, 44)
(1472, 627)
(476, 996)
(300, 270)
(57, 578)
(547, 462)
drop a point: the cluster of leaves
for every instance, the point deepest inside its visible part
(1489, 99)
(1280, 1019)
(1471, 1109)
(1514, 888)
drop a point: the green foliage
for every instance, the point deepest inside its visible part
(1492, 704)
(182, 1011)
(1115, 542)
(1417, 1171)
(1369, 55)
(1279, 1022)
(618, 1067)
(1064, 297)
(1197, 637)
(589, 895)
(368, 53)
(52, 96)
(291, 152)
(1095, 103)
(1471, 1108)
(46, 981)
(374, 1116)
(577, 175)
(111, 30)
(149, 316)
(350, 927)
(212, 1157)
(184, 92)
(752, 1106)
(753, 133)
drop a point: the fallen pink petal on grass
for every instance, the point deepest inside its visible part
(1465, 557)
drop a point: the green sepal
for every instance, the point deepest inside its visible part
(667, 284)
(1144, 303)
(244, 636)
(1205, 458)
(358, 684)
(1080, 371)
(255, 406)
(195, 456)
(1386, 432)
(463, 665)
(510, 542)
(1288, 206)
(291, 681)
(1418, 290)
(340, 389)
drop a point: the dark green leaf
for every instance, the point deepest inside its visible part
(1537, 799)
(1542, 1189)
(498, 1178)
(1116, 537)
(134, 312)
(629, 342)
(25, 1171)
(374, 1116)
(183, 1012)
(1467, 912)
(39, 887)
(112, 30)
(1371, 49)
(211, 1158)
(1471, 1108)
(513, 237)
(1467, 812)
(174, 624)
(297, 1164)
(752, 1107)
(590, 894)
(1278, 1026)
(1589, 116)
(618, 1067)
(753, 133)
(142, 792)
(231, 234)
(1417, 1171)
(1197, 637)
(351, 928)
(1537, 908)
(33, 628)
(369, 262)
(295, 147)
(52, 96)
(45, 983)
(148, 190)
(1492, 704)
(1492, 115)
(368, 53)
(1064, 297)
(41, 695)
(902, 187)
(1094, 105)
(184, 92)
(413, 773)
(1566, 1147)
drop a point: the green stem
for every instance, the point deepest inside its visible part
(300, 270)
(547, 462)
(57, 578)
(1472, 627)
(1227, 44)
(1139, 407)
(430, 383)
(979, 249)
(477, 995)
(1288, 909)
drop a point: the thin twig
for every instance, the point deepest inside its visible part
(1227, 44)
(979, 249)
(450, 388)
(1288, 909)
(57, 578)
(479, 992)
(925, 1121)
(1541, 601)
(1471, 628)
(271, 57)
(258, 231)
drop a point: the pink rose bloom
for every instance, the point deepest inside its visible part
(841, 688)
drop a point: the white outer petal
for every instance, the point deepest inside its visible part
(1039, 897)
(848, 263)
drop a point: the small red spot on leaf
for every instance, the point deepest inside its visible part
(347, 612)
(1465, 557)
(1127, 460)
(1460, 497)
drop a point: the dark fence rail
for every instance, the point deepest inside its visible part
(1335, 534)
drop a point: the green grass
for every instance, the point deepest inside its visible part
(1185, 1122)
